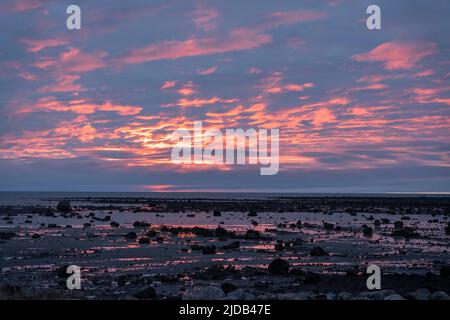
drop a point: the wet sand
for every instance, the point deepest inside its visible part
(192, 253)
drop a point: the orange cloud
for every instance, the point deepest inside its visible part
(397, 55)
(198, 102)
(322, 116)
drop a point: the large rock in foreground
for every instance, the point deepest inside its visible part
(205, 293)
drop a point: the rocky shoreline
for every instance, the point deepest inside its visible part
(226, 249)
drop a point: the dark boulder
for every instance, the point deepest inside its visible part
(231, 246)
(203, 232)
(318, 252)
(406, 232)
(328, 226)
(252, 214)
(141, 224)
(228, 287)
(367, 231)
(144, 240)
(279, 266)
(252, 235)
(114, 224)
(131, 236)
(64, 206)
(221, 232)
(151, 233)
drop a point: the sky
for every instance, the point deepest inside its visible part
(358, 110)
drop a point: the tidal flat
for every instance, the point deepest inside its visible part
(302, 248)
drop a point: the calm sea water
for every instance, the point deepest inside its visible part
(48, 198)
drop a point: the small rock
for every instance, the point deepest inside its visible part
(419, 294)
(205, 293)
(141, 224)
(237, 294)
(395, 297)
(149, 293)
(344, 296)
(440, 295)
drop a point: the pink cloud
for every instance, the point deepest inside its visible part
(35, 45)
(254, 70)
(237, 41)
(168, 84)
(73, 60)
(277, 19)
(207, 71)
(25, 5)
(397, 55)
(240, 39)
(64, 83)
(48, 104)
(205, 18)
